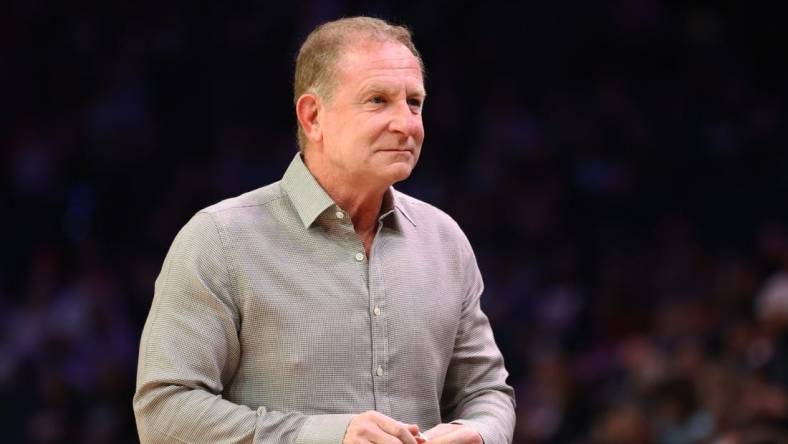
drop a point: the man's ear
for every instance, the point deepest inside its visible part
(307, 112)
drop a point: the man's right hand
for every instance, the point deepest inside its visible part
(375, 427)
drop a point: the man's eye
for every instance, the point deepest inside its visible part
(377, 100)
(414, 102)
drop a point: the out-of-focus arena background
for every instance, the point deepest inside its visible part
(619, 167)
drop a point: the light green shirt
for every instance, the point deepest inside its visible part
(269, 324)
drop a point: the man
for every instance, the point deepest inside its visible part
(328, 307)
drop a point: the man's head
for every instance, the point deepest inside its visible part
(359, 89)
(316, 64)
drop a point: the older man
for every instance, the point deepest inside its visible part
(328, 307)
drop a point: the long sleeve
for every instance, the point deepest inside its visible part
(475, 392)
(190, 352)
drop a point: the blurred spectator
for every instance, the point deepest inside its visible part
(618, 167)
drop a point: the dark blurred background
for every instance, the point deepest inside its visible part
(619, 167)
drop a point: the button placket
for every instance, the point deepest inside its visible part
(377, 305)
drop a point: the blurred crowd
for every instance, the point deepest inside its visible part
(619, 169)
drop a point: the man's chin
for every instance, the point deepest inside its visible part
(399, 171)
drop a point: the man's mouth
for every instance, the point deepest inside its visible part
(398, 150)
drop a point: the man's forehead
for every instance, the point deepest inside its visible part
(378, 55)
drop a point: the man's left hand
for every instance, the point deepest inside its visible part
(452, 434)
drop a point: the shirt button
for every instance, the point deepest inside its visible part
(379, 371)
(340, 215)
(376, 311)
(359, 257)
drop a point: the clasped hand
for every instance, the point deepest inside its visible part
(375, 427)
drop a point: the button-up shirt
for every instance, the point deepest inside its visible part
(270, 324)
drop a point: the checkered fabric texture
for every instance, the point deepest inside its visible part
(269, 324)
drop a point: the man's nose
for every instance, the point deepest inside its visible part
(404, 120)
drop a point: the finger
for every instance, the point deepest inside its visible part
(443, 439)
(380, 437)
(459, 436)
(414, 430)
(396, 428)
(441, 429)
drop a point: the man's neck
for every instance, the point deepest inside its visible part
(363, 205)
(359, 198)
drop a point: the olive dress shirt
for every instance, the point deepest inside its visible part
(269, 324)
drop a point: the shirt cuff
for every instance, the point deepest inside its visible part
(324, 429)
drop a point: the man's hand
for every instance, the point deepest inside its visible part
(375, 427)
(452, 434)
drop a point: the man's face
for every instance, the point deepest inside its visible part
(372, 128)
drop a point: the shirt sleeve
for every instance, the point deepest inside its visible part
(190, 350)
(475, 392)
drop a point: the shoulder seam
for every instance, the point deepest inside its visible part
(208, 210)
(227, 265)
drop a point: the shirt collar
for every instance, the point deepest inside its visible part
(311, 200)
(308, 197)
(390, 202)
